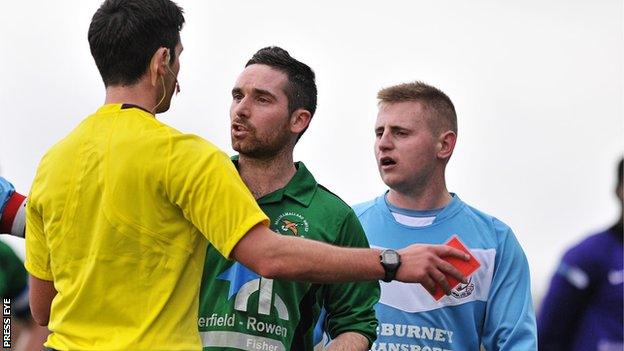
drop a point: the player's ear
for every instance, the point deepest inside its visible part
(446, 144)
(299, 120)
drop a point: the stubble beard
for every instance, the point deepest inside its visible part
(262, 148)
(405, 185)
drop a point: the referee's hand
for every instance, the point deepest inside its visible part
(424, 264)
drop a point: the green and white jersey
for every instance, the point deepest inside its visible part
(240, 310)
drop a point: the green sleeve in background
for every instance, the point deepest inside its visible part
(13, 276)
(350, 306)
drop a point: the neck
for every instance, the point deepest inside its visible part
(431, 196)
(133, 94)
(264, 176)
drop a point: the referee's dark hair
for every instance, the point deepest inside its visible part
(301, 86)
(125, 34)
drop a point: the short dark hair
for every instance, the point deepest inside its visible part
(301, 87)
(125, 34)
(443, 112)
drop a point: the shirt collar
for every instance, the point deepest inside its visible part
(107, 108)
(301, 187)
(444, 213)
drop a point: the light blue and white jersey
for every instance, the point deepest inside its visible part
(493, 309)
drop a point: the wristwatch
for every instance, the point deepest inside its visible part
(390, 260)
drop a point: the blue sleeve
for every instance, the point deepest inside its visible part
(509, 316)
(6, 190)
(565, 300)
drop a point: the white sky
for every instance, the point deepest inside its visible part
(538, 86)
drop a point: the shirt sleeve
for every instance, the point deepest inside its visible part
(202, 181)
(37, 261)
(566, 299)
(350, 306)
(509, 316)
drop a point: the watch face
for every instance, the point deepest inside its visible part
(390, 258)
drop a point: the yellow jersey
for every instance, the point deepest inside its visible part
(117, 218)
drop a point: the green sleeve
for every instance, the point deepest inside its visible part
(350, 306)
(13, 276)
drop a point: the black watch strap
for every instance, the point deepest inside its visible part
(390, 261)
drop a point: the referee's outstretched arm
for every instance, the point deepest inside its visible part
(285, 257)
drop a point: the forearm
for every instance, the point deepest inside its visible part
(349, 341)
(285, 257)
(41, 294)
(291, 258)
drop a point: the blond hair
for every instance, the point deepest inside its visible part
(441, 112)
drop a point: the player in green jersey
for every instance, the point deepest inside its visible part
(240, 310)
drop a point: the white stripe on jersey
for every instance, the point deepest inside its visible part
(413, 221)
(414, 298)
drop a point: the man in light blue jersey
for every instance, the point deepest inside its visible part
(416, 131)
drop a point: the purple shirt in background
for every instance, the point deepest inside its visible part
(583, 309)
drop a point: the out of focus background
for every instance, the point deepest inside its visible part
(538, 87)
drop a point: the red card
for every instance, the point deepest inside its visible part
(465, 267)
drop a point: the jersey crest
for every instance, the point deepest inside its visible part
(291, 223)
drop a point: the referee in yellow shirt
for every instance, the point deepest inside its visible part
(120, 208)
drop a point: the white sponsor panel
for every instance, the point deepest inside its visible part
(410, 297)
(239, 341)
